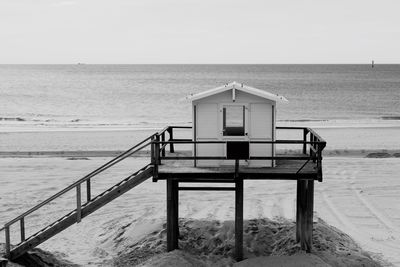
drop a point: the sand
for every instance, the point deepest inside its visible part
(359, 195)
(211, 242)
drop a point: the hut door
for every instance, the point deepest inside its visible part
(234, 120)
(261, 129)
(207, 130)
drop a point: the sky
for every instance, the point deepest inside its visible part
(199, 31)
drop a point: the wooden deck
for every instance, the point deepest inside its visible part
(284, 170)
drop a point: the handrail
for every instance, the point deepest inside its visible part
(102, 168)
(251, 142)
(310, 139)
(316, 135)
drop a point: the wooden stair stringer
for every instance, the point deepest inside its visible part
(88, 208)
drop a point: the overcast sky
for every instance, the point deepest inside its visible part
(199, 31)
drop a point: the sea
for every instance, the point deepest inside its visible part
(151, 96)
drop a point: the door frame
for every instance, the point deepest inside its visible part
(245, 137)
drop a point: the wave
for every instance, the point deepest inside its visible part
(392, 118)
(304, 120)
(11, 119)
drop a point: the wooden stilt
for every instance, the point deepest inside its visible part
(172, 215)
(309, 215)
(176, 204)
(239, 219)
(304, 213)
(298, 207)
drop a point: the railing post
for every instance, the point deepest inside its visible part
(305, 132)
(316, 148)
(163, 140)
(311, 145)
(154, 159)
(22, 226)
(8, 248)
(88, 191)
(157, 149)
(319, 162)
(78, 203)
(171, 138)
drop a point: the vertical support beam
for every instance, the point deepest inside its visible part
(309, 216)
(238, 217)
(305, 132)
(163, 140)
(157, 149)
(8, 245)
(78, 204)
(194, 134)
(298, 208)
(171, 138)
(22, 228)
(176, 203)
(316, 148)
(172, 215)
(311, 144)
(153, 158)
(304, 214)
(88, 191)
(152, 149)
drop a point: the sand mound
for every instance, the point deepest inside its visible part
(213, 244)
(38, 258)
(301, 260)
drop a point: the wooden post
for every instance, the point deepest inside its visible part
(88, 191)
(238, 217)
(22, 228)
(157, 149)
(78, 203)
(171, 138)
(309, 215)
(315, 147)
(304, 213)
(3, 262)
(154, 159)
(298, 208)
(176, 203)
(305, 132)
(163, 140)
(172, 215)
(152, 145)
(194, 135)
(8, 245)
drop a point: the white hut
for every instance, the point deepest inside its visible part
(234, 112)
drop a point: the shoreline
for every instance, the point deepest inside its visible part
(84, 154)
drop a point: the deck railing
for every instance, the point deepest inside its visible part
(310, 139)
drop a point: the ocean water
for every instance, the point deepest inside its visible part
(151, 96)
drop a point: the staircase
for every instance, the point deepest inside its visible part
(83, 208)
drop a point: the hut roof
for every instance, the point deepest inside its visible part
(240, 87)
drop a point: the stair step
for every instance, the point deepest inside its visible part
(31, 242)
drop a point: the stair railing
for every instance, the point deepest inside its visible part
(76, 185)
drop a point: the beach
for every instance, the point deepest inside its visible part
(60, 122)
(359, 194)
